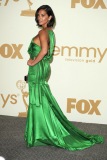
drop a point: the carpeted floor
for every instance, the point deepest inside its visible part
(13, 147)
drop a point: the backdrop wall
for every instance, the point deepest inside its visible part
(78, 79)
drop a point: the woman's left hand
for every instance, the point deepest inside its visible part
(30, 62)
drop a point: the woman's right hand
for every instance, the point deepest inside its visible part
(29, 62)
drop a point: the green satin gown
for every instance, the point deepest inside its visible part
(45, 123)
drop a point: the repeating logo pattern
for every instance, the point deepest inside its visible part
(11, 51)
(13, 99)
(21, 85)
(69, 53)
(83, 106)
(95, 4)
(81, 54)
(26, 12)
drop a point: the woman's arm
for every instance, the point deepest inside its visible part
(43, 36)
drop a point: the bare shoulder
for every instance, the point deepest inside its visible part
(43, 33)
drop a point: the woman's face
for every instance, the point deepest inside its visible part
(43, 18)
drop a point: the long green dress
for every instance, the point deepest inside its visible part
(45, 123)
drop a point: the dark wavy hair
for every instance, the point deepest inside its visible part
(49, 12)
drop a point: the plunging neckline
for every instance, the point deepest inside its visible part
(36, 43)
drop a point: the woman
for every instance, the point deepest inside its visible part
(46, 123)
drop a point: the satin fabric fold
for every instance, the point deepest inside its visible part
(45, 123)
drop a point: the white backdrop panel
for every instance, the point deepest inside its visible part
(78, 80)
